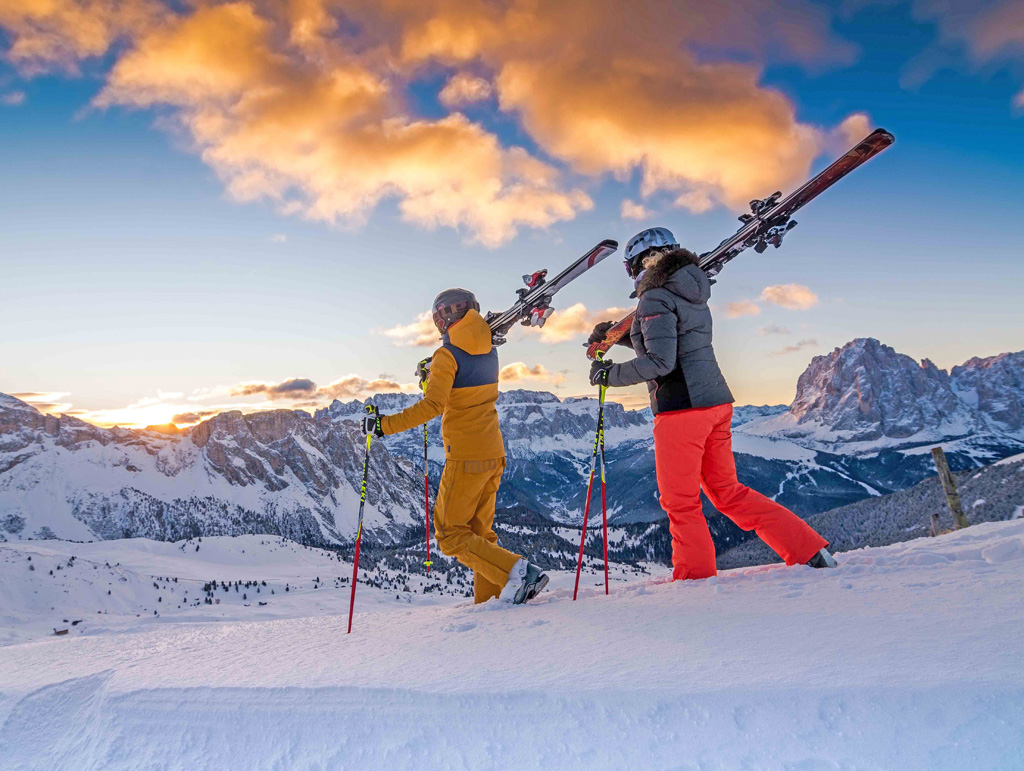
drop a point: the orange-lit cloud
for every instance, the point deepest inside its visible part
(794, 348)
(795, 297)
(575, 321)
(174, 408)
(464, 88)
(518, 371)
(305, 102)
(50, 402)
(58, 34)
(421, 332)
(736, 310)
(353, 386)
(631, 210)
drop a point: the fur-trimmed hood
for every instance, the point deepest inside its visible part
(677, 272)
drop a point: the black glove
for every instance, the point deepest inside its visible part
(599, 372)
(371, 425)
(599, 332)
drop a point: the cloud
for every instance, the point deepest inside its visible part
(49, 402)
(575, 321)
(794, 348)
(294, 388)
(773, 329)
(326, 136)
(518, 372)
(633, 211)
(278, 238)
(306, 103)
(12, 98)
(421, 332)
(796, 297)
(700, 127)
(353, 386)
(464, 88)
(742, 308)
(990, 31)
(189, 418)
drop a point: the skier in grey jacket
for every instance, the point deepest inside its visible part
(692, 406)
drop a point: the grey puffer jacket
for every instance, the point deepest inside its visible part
(671, 336)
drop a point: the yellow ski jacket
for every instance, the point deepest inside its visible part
(463, 386)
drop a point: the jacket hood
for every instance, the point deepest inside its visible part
(471, 334)
(677, 272)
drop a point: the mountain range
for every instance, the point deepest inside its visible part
(862, 424)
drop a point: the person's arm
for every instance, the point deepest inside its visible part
(435, 398)
(659, 327)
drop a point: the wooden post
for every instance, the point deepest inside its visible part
(936, 527)
(949, 487)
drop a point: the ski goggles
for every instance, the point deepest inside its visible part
(446, 315)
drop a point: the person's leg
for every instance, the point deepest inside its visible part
(678, 448)
(483, 525)
(463, 483)
(788, 535)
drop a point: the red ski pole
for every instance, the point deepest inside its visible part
(598, 444)
(359, 531)
(424, 371)
(604, 496)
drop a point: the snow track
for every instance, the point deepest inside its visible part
(906, 657)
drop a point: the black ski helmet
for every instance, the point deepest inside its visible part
(640, 245)
(450, 306)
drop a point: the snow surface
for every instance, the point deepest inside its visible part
(909, 656)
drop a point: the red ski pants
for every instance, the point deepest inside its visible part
(693, 450)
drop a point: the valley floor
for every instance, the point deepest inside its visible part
(909, 656)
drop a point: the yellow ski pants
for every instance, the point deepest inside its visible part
(464, 519)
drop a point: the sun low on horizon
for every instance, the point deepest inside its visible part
(250, 206)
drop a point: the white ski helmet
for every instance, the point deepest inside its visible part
(639, 245)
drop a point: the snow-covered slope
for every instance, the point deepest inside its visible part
(906, 657)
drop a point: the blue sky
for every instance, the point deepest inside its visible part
(133, 275)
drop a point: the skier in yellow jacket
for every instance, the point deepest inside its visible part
(463, 387)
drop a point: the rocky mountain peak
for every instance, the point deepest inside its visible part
(868, 391)
(995, 387)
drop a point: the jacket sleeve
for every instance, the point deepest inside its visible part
(435, 399)
(659, 328)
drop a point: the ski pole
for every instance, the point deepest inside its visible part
(423, 372)
(598, 445)
(604, 495)
(359, 531)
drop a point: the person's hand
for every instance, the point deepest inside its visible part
(599, 332)
(599, 372)
(371, 425)
(423, 370)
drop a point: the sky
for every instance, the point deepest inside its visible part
(250, 205)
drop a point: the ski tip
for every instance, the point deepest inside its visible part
(881, 133)
(609, 243)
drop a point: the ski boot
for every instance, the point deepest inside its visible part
(525, 581)
(823, 559)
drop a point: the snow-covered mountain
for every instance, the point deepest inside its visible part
(865, 397)
(281, 472)
(861, 425)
